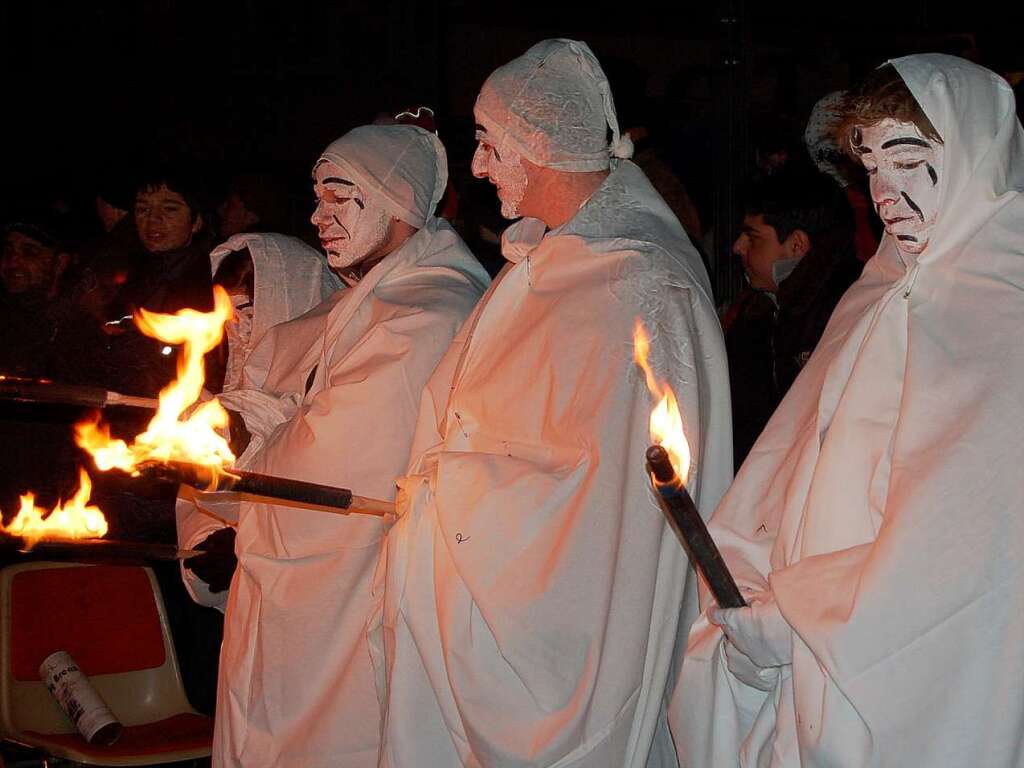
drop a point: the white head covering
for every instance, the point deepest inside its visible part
(401, 168)
(289, 278)
(553, 105)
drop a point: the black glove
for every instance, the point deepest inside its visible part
(240, 436)
(217, 566)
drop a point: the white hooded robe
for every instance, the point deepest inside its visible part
(533, 592)
(881, 504)
(289, 278)
(296, 683)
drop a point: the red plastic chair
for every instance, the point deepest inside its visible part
(111, 619)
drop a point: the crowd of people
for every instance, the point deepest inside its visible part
(527, 603)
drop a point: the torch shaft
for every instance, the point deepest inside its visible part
(700, 546)
(31, 391)
(326, 497)
(96, 550)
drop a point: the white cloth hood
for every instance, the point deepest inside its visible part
(973, 110)
(289, 277)
(553, 105)
(403, 168)
(881, 503)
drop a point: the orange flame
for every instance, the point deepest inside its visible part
(666, 424)
(169, 437)
(73, 519)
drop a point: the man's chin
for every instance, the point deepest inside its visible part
(510, 210)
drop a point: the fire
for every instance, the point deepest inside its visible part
(169, 437)
(666, 424)
(73, 519)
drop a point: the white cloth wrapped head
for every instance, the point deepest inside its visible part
(402, 169)
(553, 105)
(289, 278)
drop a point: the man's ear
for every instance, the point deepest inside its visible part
(798, 244)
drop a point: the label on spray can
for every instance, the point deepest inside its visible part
(80, 701)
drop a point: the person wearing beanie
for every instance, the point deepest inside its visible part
(332, 397)
(533, 592)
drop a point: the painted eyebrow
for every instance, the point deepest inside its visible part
(912, 141)
(337, 180)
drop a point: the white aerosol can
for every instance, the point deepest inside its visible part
(80, 701)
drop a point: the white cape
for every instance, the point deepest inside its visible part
(533, 593)
(882, 501)
(289, 278)
(296, 684)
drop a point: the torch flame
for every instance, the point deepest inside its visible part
(74, 519)
(666, 424)
(169, 437)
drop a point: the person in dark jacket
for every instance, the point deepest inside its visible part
(798, 255)
(33, 260)
(165, 270)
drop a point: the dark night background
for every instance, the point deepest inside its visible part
(94, 90)
(248, 85)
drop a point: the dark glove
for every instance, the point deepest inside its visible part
(217, 566)
(240, 436)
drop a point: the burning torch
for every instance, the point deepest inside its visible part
(668, 461)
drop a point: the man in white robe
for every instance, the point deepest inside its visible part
(284, 278)
(876, 521)
(534, 594)
(332, 398)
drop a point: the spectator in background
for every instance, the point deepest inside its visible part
(254, 203)
(114, 242)
(33, 260)
(113, 202)
(798, 255)
(168, 270)
(39, 454)
(777, 146)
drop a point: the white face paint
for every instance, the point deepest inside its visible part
(350, 228)
(505, 171)
(904, 169)
(239, 335)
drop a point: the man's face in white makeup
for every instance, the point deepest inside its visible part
(504, 170)
(350, 230)
(904, 169)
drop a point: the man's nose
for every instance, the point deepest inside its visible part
(739, 248)
(479, 164)
(883, 190)
(317, 217)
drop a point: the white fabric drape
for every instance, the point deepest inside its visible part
(533, 592)
(296, 683)
(289, 278)
(881, 502)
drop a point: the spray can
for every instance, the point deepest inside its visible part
(78, 698)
